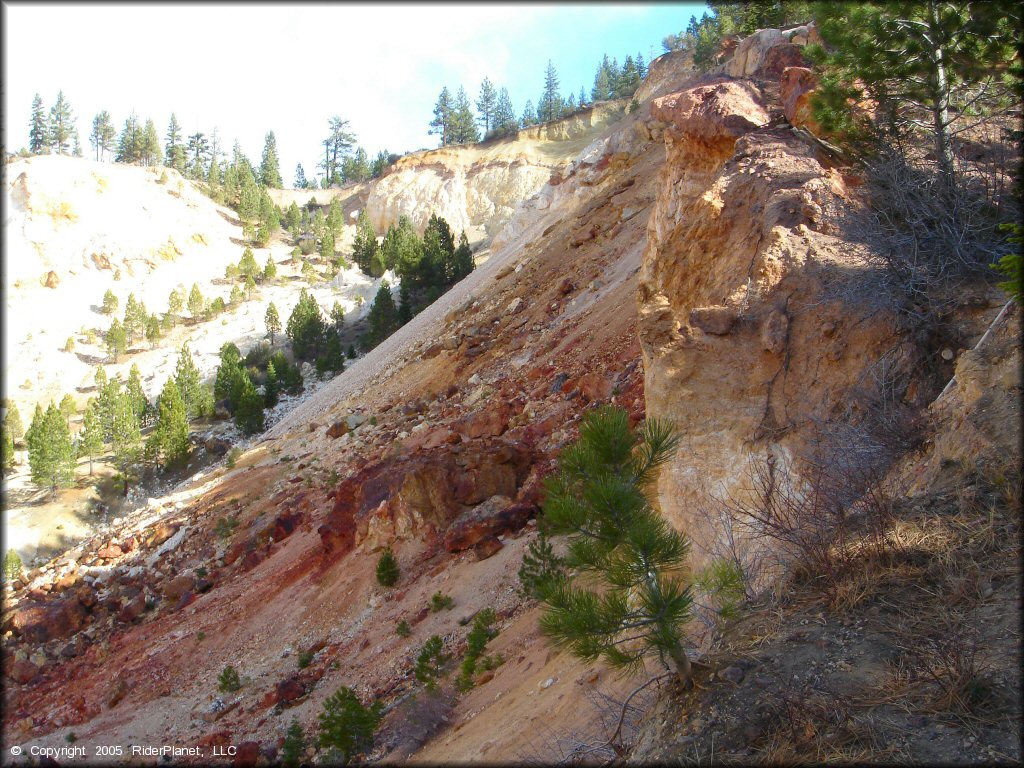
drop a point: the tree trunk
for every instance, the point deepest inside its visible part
(940, 106)
(684, 670)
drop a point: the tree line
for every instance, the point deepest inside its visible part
(454, 121)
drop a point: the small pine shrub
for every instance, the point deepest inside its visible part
(305, 659)
(226, 526)
(12, 565)
(541, 566)
(723, 580)
(403, 629)
(440, 602)
(228, 680)
(387, 569)
(294, 747)
(430, 662)
(346, 726)
(233, 456)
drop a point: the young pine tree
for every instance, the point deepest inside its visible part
(346, 726)
(273, 321)
(90, 439)
(51, 457)
(387, 569)
(293, 751)
(632, 602)
(170, 436)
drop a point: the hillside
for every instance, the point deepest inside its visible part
(680, 261)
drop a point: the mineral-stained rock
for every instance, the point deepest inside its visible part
(176, 587)
(337, 429)
(487, 547)
(493, 517)
(41, 623)
(22, 671)
(116, 693)
(489, 421)
(795, 89)
(595, 386)
(247, 754)
(289, 691)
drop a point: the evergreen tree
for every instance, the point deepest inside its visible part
(247, 266)
(381, 163)
(641, 67)
(504, 115)
(346, 726)
(61, 125)
(196, 302)
(486, 105)
(135, 394)
(293, 750)
(117, 339)
(335, 218)
(102, 136)
(170, 436)
(109, 306)
(405, 309)
(462, 263)
(272, 387)
(933, 67)
(387, 569)
(300, 178)
(383, 316)
(463, 125)
(134, 318)
(153, 330)
(306, 327)
(12, 421)
(549, 107)
(270, 269)
(38, 131)
(442, 123)
(125, 438)
(174, 302)
(270, 172)
(628, 81)
(333, 357)
(339, 141)
(51, 457)
(529, 118)
(229, 381)
(130, 143)
(337, 317)
(356, 167)
(364, 246)
(90, 439)
(583, 98)
(327, 246)
(151, 152)
(273, 321)
(626, 553)
(249, 413)
(235, 298)
(7, 452)
(174, 150)
(188, 384)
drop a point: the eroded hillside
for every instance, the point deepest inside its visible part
(703, 204)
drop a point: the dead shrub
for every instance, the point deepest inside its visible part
(418, 718)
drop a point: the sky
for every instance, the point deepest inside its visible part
(251, 68)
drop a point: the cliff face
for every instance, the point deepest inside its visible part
(743, 349)
(477, 188)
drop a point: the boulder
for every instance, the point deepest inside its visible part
(749, 56)
(247, 754)
(337, 429)
(22, 671)
(217, 446)
(493, 517)
(715, 113)
(40, 623)
(487, 547)
(595, 386)
(796, 87)
(116, 693)
(50, 279)
(289, 691)
(110, 552)
(490, 421)
(176, 587)
(717, 319)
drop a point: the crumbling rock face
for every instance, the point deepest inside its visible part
(741, 347)
(419, 496)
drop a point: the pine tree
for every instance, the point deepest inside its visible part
(529, 118)
(90, 439)
(269, 269)
(67, 409)
(933, 67)
(300, 178)
(387, 569)
(249, 413)
(626, 553)
(188, 384)
(174, 150)
(270, 172)
(12, 566)
(273, 321)
(125, 439)
(153, 330)
(170, 436)
(247, 266)
(174, 303)
(383, 316)
(102, 136)
(151, 152)
(337, 316)
(196, 302)
(550, 107)
(76, 144)
(116, 339)
(272, 387)
(6, 452)
(486, 105)
(293, 750)
(129, 143)
(442, 123)
(38, 132)
(109, 305)
(347, 726)
(504, 115)
(462, 263)
(364, 246)
(134, 318)
(51, 457)
(583, 98)
(306, 327)
(628, 81)
(12, 421)
(641, 67)
(463, 125)
(61, 125)
(135, 394)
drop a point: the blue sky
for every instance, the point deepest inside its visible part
(247, 69)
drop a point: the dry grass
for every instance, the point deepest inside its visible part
(61, 212)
